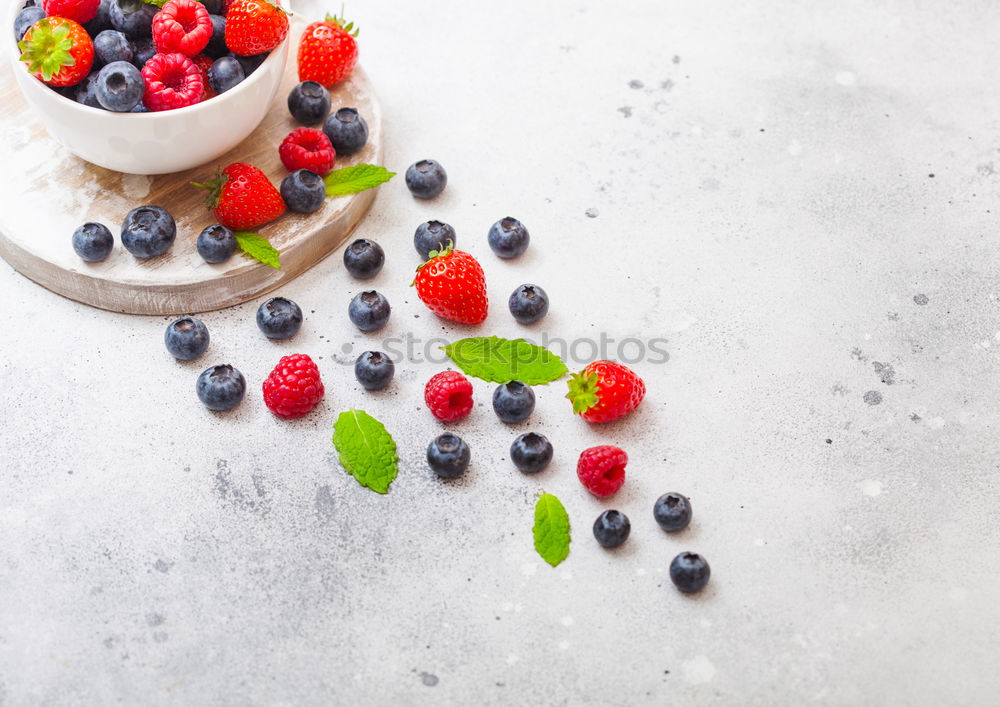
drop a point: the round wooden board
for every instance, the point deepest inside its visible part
(47, 193)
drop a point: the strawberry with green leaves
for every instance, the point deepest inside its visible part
(254, 27)
(328, 51)
(452, 285)
(604, 391)
(242, 197)
(57, 51)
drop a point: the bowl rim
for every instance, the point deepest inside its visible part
(18, 65)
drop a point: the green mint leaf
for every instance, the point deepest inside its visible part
(351, 180)
(503, 360)
(257, 248)
(366, 449)
(551, 529)
(158, 3)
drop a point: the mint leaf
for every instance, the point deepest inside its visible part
(258, 248)
(503, 360)
(351, 180)
(551, 529)
(158, 3)
(366, 449)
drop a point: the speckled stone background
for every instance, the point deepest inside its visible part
(800, 198)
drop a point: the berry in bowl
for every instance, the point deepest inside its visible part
(137, 88)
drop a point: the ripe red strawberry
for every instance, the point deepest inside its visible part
(452, 285)
(448, 395)
(181, 26)
(254, 27)
(307, 148)
(328, 51)
(294, 387)
(82, 11)
(203, 61)
(602, 470)
(57, 51)
(243, 197)
(604, 391)
(172, 81)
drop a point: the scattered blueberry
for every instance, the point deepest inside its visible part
(531, 452)
(25, 18)
(448, 455)
(303, 190)
(508, 238)
(224, 73)
(93, 242)
(132, 17)
(369, 310)
(433, 235)
(364, 258)
(186, 338)
(119, 86)
(221, 387)
(250, 63)
(528, 304)
(216, 243)
(148, 231)
(216, 46)
(110, 46)
(426, 179)
(101, 21)
(672, 511)
(309, 102)
(347, 130)
(611, 528)
(214, 7)
(513, 402)
(689, 572)
(143, 50)
(374, 370)
(279, 318)
(85, 92)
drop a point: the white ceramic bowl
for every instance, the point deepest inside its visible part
(152, 143)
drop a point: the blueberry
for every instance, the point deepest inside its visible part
(309, 102)
(531, 452)
(139, 108)
(433, 235)
(689, 572)
(426, 179)
(348, 131)
(250, 63)
(528, 303)
(110, 46)
(513, 402)
(25, 18)
(448, 455)
(364, 258)
(224, 73)
(672, 511)
(303, 191)
(148, 231)
(216, 46)
(93, 242)
(186, 338)
(374, 370)
(133, 17)
(611, 528)
(101, 21)
(369, 310)
(119, 86)
(508, 238)
(279, 318)
(142, 51)
(221, 387)
(31, 3)
(85, 92)
(214, 7)
(216, 243)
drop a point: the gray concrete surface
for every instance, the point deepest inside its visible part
(800, 197)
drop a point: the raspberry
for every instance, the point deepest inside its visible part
(203, 61)
(181, 26)
(602, 469)
(307, 148)
(449, 396)
(294, 387)
(172, 81)
(82, 11)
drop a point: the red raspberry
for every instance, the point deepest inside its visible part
(307, 148)
(172, 81)
(602, 469)
(82, 11)
(449, 396)
(181, 26)
(202, 61)
(294, 387)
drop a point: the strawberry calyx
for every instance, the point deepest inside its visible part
(583, 391)
(48, 47)
(214, 189)
(445, 250)
(348, 27)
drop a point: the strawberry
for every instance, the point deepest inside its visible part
(242, 197)
(57, 51)
(203, 61)
(604, 391)
(328, 51)
(452, 285)
(82, 11)
(254, 27)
